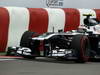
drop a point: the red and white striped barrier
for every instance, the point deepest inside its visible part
(15, 20)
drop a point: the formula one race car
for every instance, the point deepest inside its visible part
(79, 45)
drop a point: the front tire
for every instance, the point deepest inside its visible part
(26, 38)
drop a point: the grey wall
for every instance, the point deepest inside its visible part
(42, 3)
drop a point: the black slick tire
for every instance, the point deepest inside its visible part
(80, 44)
(26, 38)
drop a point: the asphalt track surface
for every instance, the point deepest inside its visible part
(46, 66)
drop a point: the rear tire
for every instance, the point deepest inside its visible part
(82, 48)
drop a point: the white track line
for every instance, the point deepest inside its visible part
(6, 59)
